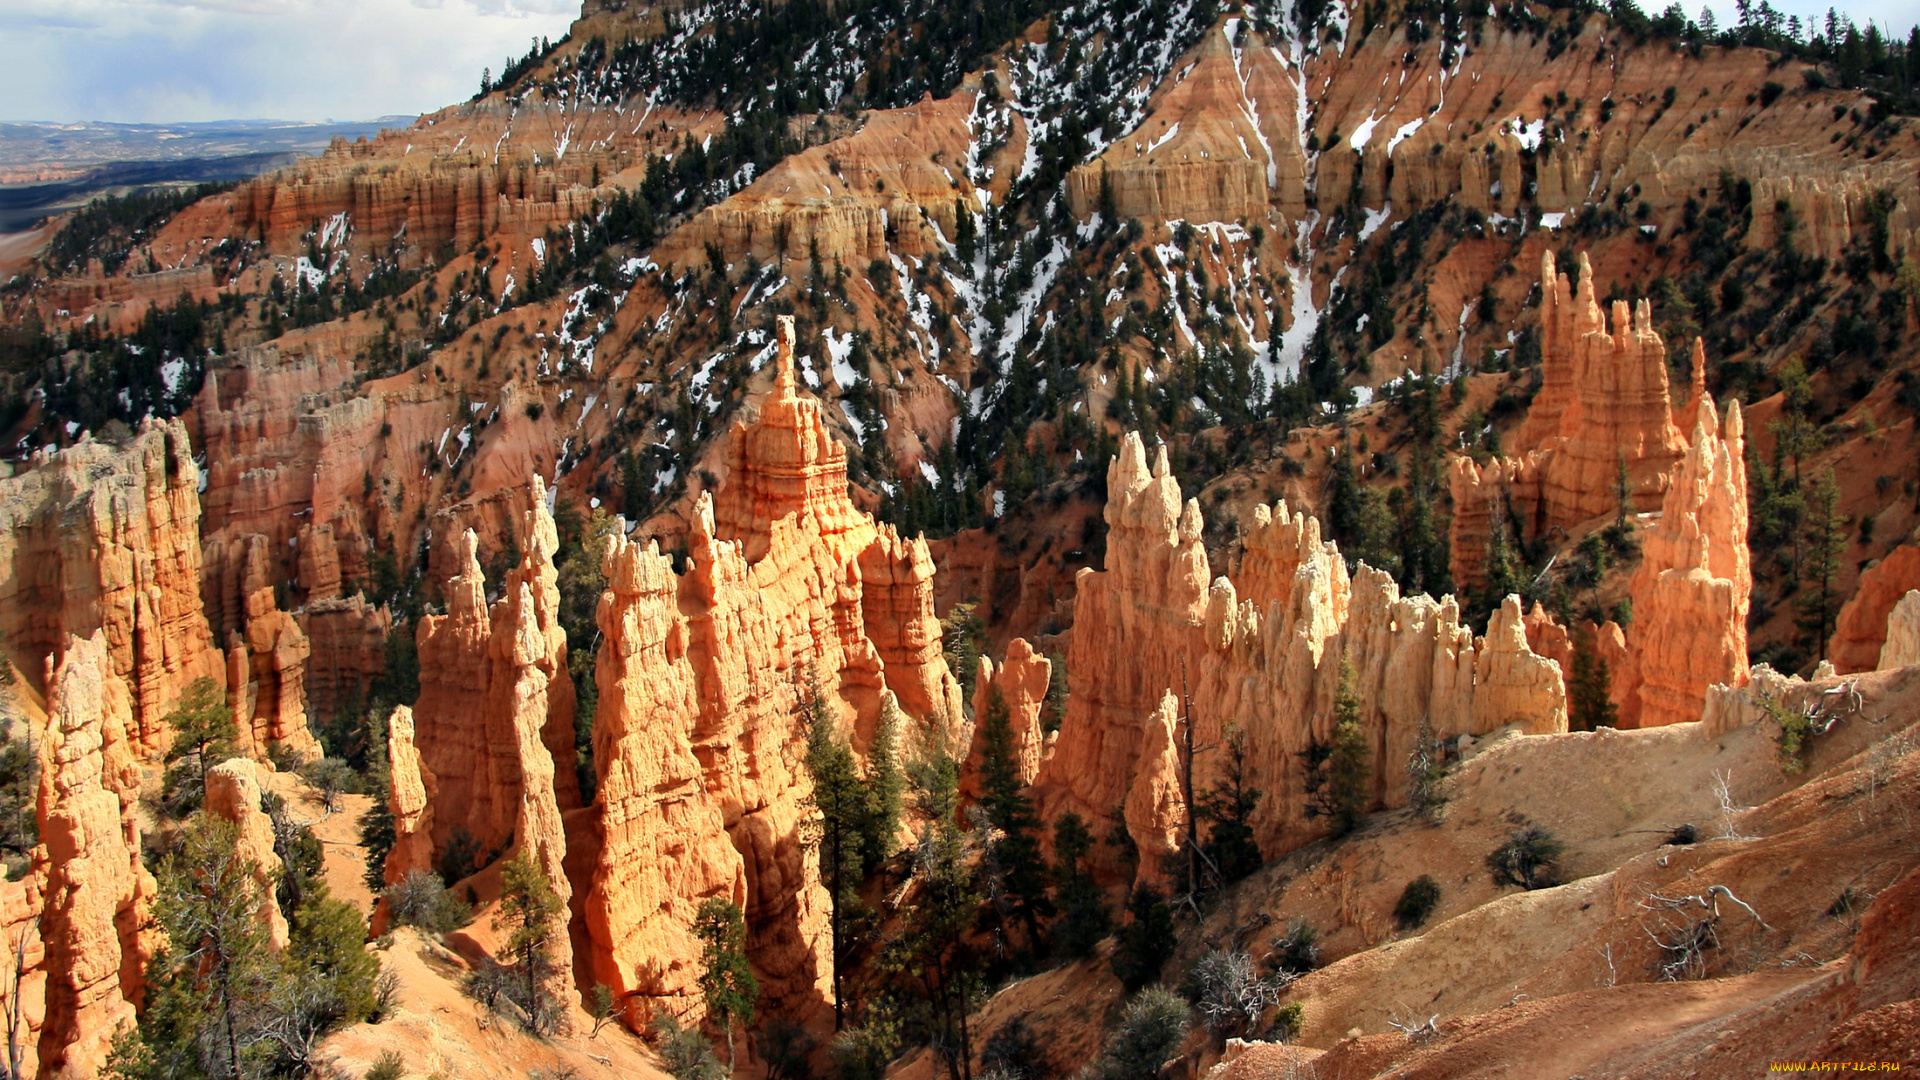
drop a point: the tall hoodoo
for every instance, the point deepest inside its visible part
(1263, 649)
(95, 923)
(233, 793)
(1604, 407)
(1694, 586)
(1021, 680)
(105, 537)
(703, 682)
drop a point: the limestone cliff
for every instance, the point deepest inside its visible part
(1861, 631)
(700, 728)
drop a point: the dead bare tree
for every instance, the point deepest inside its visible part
(1684, 945)
(1415, 1029)
(12, 1009)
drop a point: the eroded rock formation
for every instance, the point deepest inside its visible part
(1861, 631)
(267, 652)
(1694, 585)
(1264, 649)
(95, 923)
(233, 793)
(1903, 634)
(1601, 428)
(701, 728)
(107, 537)
(1021, 680)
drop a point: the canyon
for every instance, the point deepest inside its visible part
(1180, 385)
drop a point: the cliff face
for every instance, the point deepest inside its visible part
(700, 729)
(1862, 630)
(95, 923)
(1263, 649)
(105, 538)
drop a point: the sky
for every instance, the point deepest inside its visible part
(161, 61)
(174, 61)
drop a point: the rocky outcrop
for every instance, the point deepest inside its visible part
(1021, 681)
(1694, 586)
(481, 669)
(347, 642)
(95, 922)
(701, 723)
(1264, 649)
(1903, 634)
(267, 654)
(538, 834)
(1861, 630)
(233, 793)
(106, 537)
(1603, 410)
(411, 794)
(1156, 806)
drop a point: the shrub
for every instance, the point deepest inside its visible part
(1286, 1021)
(685, 1052)
(387, 1066)
(419, 899)
(1298, 950)
(1150, 1032)
(1529, 858)
(1013, 1053)
(1145, 942)
(1417, 901)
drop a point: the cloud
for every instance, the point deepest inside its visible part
(137, 61)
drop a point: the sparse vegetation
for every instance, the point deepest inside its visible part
(1416, 902)
(1151, 1028)
(1528, 859)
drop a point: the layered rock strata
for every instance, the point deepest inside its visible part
(1264, 649)
(1861, 631)
(95, 922)
(267, 652)
(107, 537)
(701, 726)
(481, 670)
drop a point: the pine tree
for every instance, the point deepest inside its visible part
(1337, 771)
(1229, 806)
(1146, 941)
(1017, 872)
(532, 913)
(1084, 919)
(840, 798)
(885, 788)
(931, 954)
(1589, 706)
(204, 736)
(726, 977)
(1826, 541)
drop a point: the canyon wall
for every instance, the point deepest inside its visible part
(1860, 632)
(104, 537)
(1264, 649)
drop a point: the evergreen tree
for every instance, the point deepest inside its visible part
(1337, 772)
(1826, 541)
(203, 737)
(531, 913)
(726, 978)
(208, 992)
(840, 798)
(1589, 707)
(1084, 919)
(1016, 871)
(1229, 806)
(1146, 941)
(885, 788)
(931, 954)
